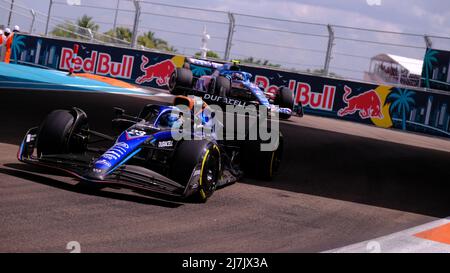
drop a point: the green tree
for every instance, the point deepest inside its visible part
(66, 29)
(251, 60)
(172, 49)
(121, 33)
(209, 54)
(87, 22)
(79, 30)
(149, 40)
(84, 23)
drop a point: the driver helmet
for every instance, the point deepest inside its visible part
(173, 119)
(237, 77)
(234, 66)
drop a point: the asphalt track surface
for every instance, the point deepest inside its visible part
(334, 189)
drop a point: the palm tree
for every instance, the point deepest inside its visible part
(146, 40)
(66, 29)
(149, 40)
(172, 49)
(429, 59)
(87, 22)
(84, 23)
(401, 101)
(69, 30)
(120, 33)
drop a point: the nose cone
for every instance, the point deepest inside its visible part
(126, 146)
(97, 174)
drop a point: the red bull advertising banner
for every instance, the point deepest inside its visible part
(383, 106)
(129, 65)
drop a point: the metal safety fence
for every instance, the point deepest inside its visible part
(295, 45)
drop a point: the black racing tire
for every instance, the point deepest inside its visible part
(300, 111)
(285, 100)
(187, 156)
(259, 164)
(222, 86)
(55, 133)
(180, 78)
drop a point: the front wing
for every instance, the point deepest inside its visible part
(126, 176)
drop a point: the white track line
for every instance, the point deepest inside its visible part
(400, 242)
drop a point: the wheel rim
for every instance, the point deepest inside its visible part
(275, 162)
(172, 81)
(209, 172)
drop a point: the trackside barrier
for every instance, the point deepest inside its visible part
(408, 109)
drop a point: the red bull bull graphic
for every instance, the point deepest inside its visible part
(160, 72)
(368, 104)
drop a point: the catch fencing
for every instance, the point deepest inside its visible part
(295, 45)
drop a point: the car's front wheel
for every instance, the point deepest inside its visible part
(262, 164)
(60, 132)
(189, 155)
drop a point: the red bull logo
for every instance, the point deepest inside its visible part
(368, 104)
(97, 63)
(304, 93)
(160, 72)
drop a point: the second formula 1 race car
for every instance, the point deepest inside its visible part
(227, 84)
(145, 154)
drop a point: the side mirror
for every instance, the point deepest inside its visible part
(118, 112)
(119, 125)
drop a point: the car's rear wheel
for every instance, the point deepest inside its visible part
(180, 78)
(59, 133)
(262, 164)
(300, 111)
(190, 154)
(222, 86)
(285, 100)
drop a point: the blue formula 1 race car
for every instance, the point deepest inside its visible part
(227, 84)
(144, 154)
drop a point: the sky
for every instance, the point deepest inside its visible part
(290, 47)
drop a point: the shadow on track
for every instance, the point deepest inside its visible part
(363, 170)
(28, 172)
(317, 162)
